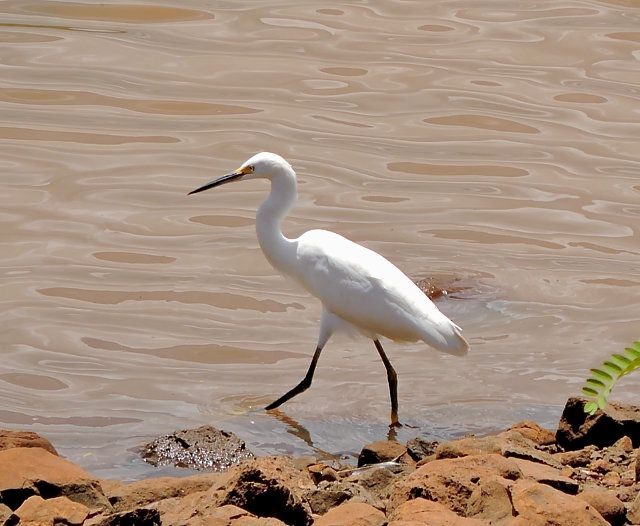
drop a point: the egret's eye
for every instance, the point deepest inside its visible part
(251, 169)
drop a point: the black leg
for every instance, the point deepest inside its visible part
(302, 386)
(392, 377)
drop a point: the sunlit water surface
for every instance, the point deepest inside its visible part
(494, 144)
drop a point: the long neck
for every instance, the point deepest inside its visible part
(280, 251)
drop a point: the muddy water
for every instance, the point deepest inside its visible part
(492, 146)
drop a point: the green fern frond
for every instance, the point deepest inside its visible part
(598, 386)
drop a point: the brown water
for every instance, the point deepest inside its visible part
(493, 143)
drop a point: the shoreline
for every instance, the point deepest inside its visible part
(524, 475)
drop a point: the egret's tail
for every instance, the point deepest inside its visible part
(447, 339)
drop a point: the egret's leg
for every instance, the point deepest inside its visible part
(302, 386)
(392, 377)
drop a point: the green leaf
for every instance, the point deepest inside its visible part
(616, 369)
(602, 375)
(590, 407)
(602, 379)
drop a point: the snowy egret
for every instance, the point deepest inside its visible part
(359, 289)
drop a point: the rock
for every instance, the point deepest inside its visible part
(5, 513)
(419, 449)
(425, 512)
(452, 481)
(601, 465)
(611, 479)
(607, 504)
(490, 500)
(9, 439)
(331, 494)
(469, 446)
(60, 510)
(198, 510)
(144, 492)
(508, 444)
(539, 504)
(352, 514)
(624, 445)
(628, 477)
(381, 451)
(268, 487)
(34, 471)
(322, 472)
(534, 432)
(375, 481)
(186, 510)
(547, 475)
(577, 458)
(204, 448)
(633, 514)
(578, 429)
(137, 517)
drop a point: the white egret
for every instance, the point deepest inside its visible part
(359, 289)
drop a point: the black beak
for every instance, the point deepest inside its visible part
(217, 182)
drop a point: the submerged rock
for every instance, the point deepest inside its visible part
(204, 448)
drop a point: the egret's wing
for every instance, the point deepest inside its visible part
(367, 290)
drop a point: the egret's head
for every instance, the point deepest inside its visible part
(263, 165)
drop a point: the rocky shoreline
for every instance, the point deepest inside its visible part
(586, 473)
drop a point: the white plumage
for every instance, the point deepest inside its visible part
(358, 288)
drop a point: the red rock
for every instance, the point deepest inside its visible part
(420, 449)
(9, 439)
(382, 451)
(624, 445)
(452, 481)
(268, 487)
(141, 493)
(36, 511)
(34, 471)
(185, 510)
(425, 512)
(534, 432)
(577, 458)
(469, 446)
(607, 504)
(5, 513)
(374, 480)
(196, 509)
(509, 443)
(536, 503)
(547, 475)
(490, 500)
(612, 479)
(628, 477)
(136, 517)
(321, 472)
(330, 494)
(634, 511)
(352, 514)
(246, 520)
(578, 429)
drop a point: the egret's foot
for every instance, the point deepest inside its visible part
(273, 405)
(395, 424)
